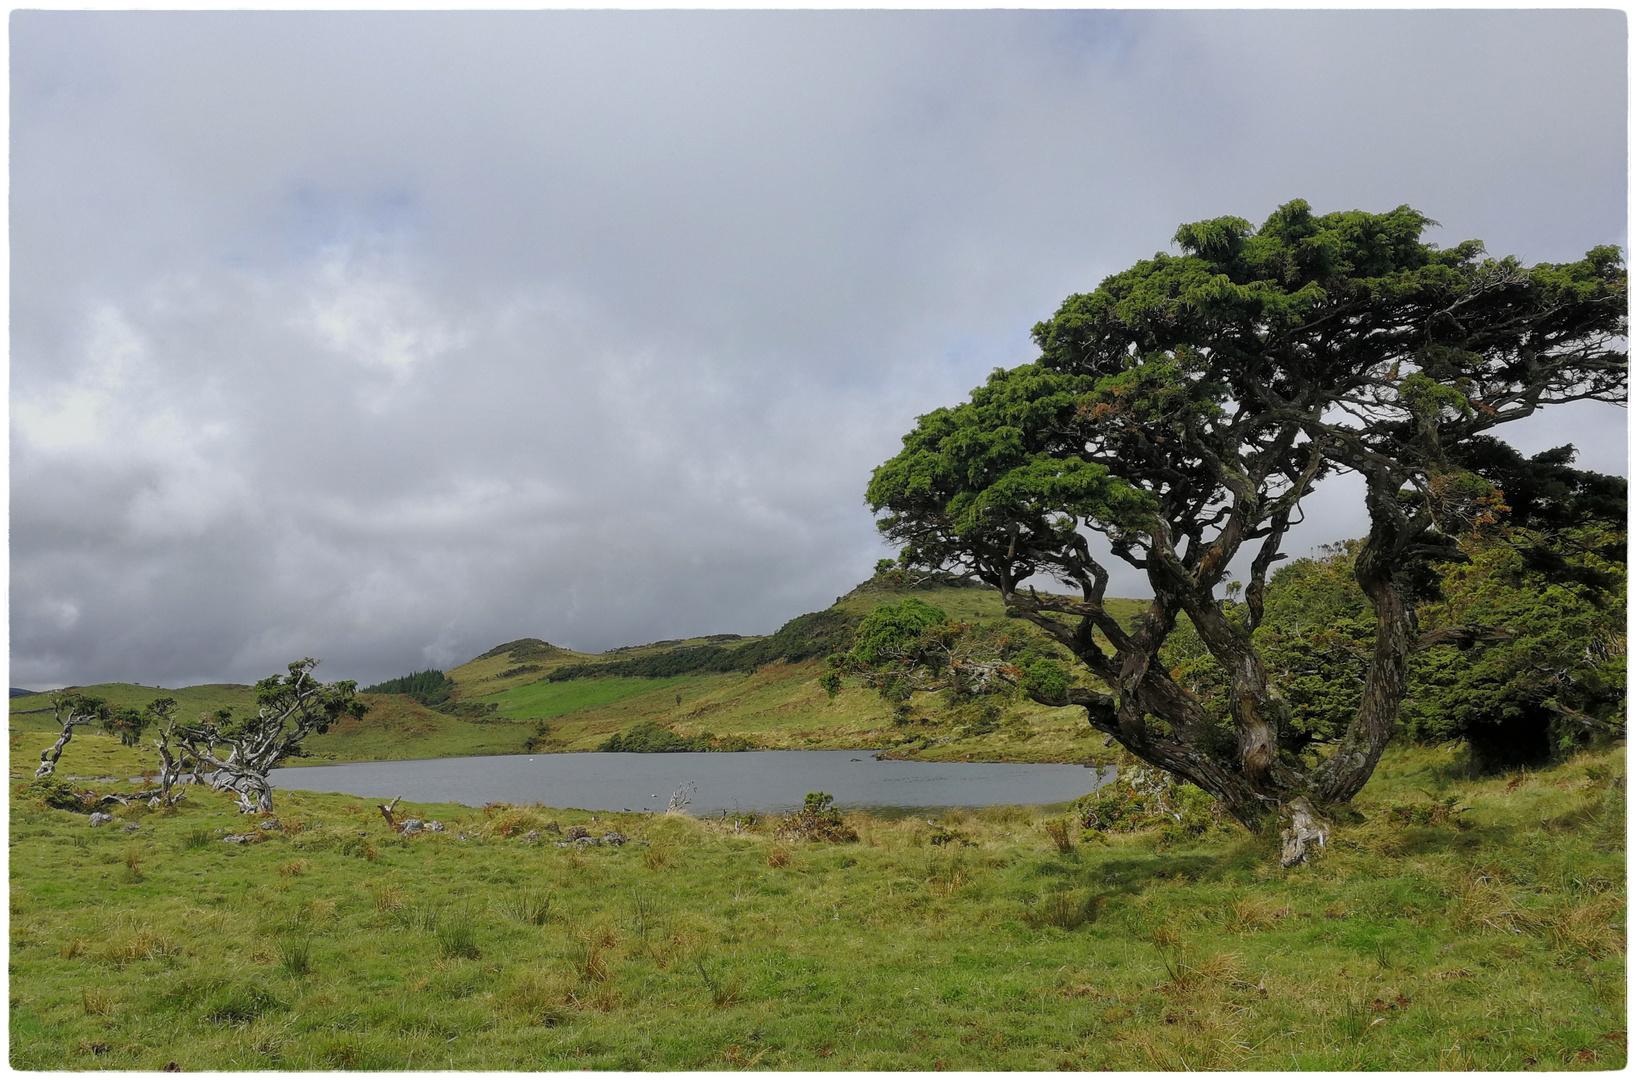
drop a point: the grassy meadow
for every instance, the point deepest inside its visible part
(1484, 934)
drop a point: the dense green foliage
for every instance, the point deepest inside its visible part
(647, 737)
(1534, 604)
(818, 821)
(429, 687)
(804, 637)
(1176, 420)
(911, 645)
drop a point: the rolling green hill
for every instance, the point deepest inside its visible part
(530, 695)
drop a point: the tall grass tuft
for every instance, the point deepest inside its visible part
(296, 955)
(723, 991)
(415, 917)
(457, 937)
(592, 965)
(1058, 830)
(1064, 910)
(527, 905)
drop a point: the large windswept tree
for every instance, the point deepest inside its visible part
(236, 754)
(1178, 417)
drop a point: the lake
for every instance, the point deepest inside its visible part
(761, 781)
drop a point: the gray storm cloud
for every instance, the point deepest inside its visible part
(386, 337)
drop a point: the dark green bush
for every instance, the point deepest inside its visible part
(647, 737)
(56, 793)
(817, 820)
(1143, 798)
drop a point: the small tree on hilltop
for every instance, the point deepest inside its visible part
(1182, 413)
(237, 754)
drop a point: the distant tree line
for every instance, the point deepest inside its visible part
(429, 687)
(647, 737)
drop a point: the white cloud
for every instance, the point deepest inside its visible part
(386, 337)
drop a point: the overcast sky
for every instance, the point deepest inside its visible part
(386, 337)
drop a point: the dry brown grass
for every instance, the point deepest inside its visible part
(141, 945)
(778, 857)
(516, 821)
(1223, 967)
(96, 1001)
(1586, 928)
(388, 898)
(294, 868)
(539, 995)
(1251, 914)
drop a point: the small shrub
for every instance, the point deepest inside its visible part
(55, 792)
(817, 820)
(1143, 798)
(1058, 830)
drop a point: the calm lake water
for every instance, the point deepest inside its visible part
(763, 781)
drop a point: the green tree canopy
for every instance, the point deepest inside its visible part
(1180, 414)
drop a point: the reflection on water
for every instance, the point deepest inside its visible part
(764, 781)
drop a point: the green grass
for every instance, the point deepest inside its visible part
(1496, 941)
(546, 700)
(780, 706)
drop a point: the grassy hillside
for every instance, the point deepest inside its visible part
(500, 699)
(1490, 939)
(33, 712)
(395, 728)
(777, 705)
